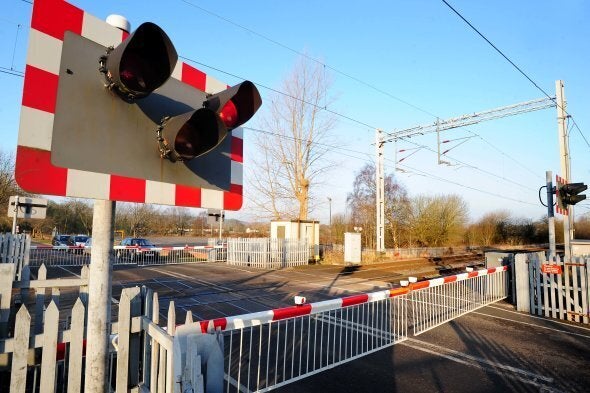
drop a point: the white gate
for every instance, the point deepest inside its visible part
(555, 289)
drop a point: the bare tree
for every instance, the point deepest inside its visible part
(136, 218)
(485, 231)
(291, 146)
(361, 202)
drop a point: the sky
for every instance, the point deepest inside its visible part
(394, 64)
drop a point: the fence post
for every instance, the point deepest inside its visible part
(40, 300)
(76, 346)
(48, 363)
(126, 372)
(18, 375)
(171, 330)
(522, 278)
(6, 277)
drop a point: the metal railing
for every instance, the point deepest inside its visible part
(268, 253)
(441, 300)
(270, 349)
(125, 255)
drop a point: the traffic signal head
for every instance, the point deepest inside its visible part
(141, 63)
(236, 105)
(569, 194)
(192, 134)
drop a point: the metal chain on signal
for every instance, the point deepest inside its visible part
(163, 147)
(119, 88)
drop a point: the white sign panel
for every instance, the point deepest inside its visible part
(28, 207)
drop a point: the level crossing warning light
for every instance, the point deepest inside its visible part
(192, 134)
(112, 114)
(141, 63)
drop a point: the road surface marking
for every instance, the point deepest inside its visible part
(527, 377)
(541, 318)
(532, 324)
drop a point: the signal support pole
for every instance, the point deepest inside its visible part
(550, 214)
(565, 162)
(99, 297)
(379, 194)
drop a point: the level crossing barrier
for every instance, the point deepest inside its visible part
(266, 350)
(269, 349)
(440, 300)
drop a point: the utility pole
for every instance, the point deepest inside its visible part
(379, 194)
(330, 215)
(564, 161)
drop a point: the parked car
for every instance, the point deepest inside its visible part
(60, 240)
(138, 248)
(88, 246)
(77, 241)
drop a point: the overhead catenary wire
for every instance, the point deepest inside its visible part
(9, 71)
(472, 166)
(334, 69)
(520, 70)
(341, 115)
(308, 57)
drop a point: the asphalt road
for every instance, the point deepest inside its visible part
(494, 349)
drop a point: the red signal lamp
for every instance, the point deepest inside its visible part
(229, 114)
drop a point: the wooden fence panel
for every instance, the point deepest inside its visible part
(6, 276)
(125, 374)
(76, 347)
(18, 374)
(562, 295)
(48, 363)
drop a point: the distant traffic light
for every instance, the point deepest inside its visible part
(192, 134)
(569, 194)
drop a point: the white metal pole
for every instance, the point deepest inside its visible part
(380, 193)
(564, 160)
(220, 224)
(15, 215)
(99, 297)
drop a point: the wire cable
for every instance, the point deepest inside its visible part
(308, 57)
(442, 179)
(362, 123)
(513, 64)
(10, 71)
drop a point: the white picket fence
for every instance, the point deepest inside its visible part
(553, 288)
(267, 253)
(15, 249)
(141, 350)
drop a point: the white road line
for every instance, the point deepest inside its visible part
(557, 322)
(180, 275)
(524, 376)
(532, 324)
(113, 300)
